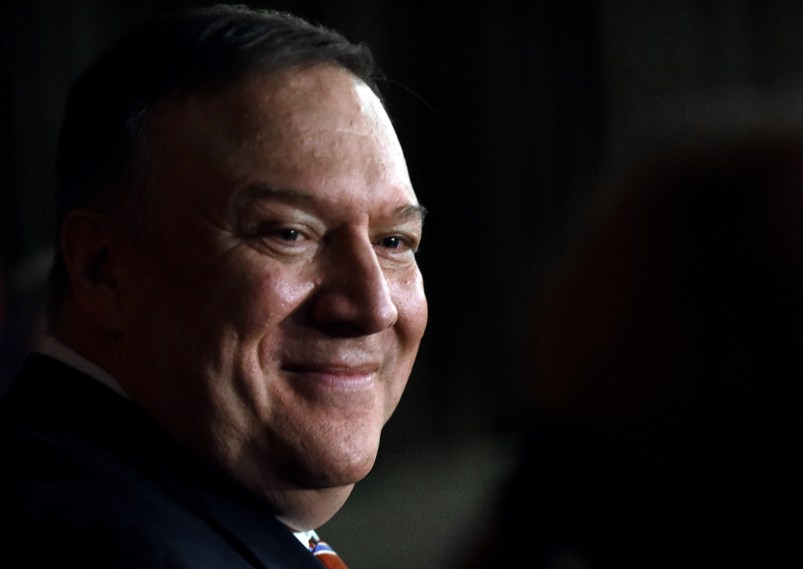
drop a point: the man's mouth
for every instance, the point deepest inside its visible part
(336, 375)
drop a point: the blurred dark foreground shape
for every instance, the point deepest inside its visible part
(667, 374)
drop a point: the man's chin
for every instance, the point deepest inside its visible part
(342, 472)
(308, 509)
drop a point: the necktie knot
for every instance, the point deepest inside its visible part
(324, 553)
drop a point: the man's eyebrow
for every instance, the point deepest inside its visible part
(411, 211)
(291, 195)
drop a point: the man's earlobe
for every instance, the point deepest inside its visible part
(89, 243)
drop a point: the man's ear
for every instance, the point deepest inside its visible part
(90, 243)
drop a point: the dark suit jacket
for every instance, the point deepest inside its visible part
(88, 480)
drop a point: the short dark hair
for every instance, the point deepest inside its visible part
(208, 48)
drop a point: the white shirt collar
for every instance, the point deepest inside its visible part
(305, 537)
(49, 346)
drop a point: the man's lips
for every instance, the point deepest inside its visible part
(344, 377)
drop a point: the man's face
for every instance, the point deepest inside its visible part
(273, 309)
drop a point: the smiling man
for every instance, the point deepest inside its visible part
(236, 302)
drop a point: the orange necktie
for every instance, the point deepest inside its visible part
(326, 555)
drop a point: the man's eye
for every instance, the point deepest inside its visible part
(392, 242)
(398, 243)
(288, 234)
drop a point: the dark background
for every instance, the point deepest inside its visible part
(511, 119)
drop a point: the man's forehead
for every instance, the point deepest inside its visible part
(310, 96)
(301, 98)
(254, 132)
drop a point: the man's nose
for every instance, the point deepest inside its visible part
(353, 297)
